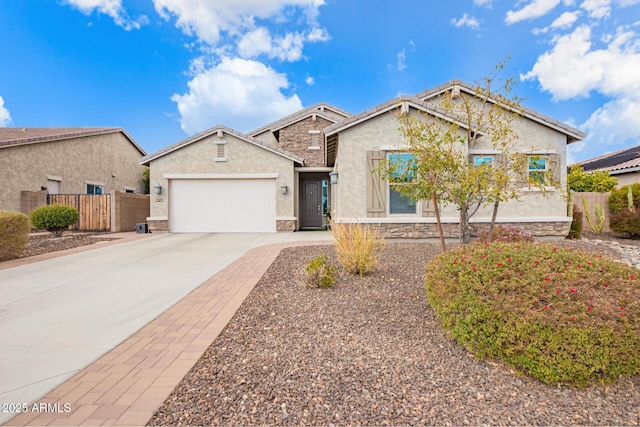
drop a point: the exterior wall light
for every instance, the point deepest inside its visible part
(333, 178)
(157, 189)
(284, 189)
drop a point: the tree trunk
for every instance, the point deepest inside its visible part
(465, 232)
(493, 220)
(439, 224)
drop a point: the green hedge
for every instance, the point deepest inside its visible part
(54, 218)
(14, 234)
(619, 200)
(558, 315)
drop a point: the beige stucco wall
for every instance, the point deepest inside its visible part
(627, 178)
(110, 159)
(381, 132)
(242, 158)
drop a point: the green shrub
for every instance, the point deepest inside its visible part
(505, 233)
(626, 223)
(319, 274)
(618, 199)
(595, 181)
(358, 247)
(54, 218)
(559, 315)
(14, 234)
(575, 231)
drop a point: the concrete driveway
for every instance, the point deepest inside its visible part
(59, 315)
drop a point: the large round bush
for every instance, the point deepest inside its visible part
(559, 315)
(14, 234)
(54, 218)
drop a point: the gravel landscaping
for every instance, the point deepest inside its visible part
(42, 243)
(368, 351)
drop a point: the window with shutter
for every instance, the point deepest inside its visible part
(376, 206)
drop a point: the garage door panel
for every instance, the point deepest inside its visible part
(221, 205)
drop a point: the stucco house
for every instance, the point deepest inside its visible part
(289, 174)
(623, 164)
(67, 160)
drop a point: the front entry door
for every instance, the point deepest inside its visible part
(311, 204)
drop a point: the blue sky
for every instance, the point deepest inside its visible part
(166, 69)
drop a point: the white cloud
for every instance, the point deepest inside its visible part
(597, 8)
(287, 48)
(402, 60)
(486, 3)
(5, 116)
(238, 93)
(466, 21)
(207, 19)
(566, 20)
(574, 69)
(112, 8)
(309, 80)
(535, 9)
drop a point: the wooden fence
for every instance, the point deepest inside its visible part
(94, 210)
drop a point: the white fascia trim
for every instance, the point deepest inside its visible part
(157, 218)
(220, 175)
(432, 220)
(403, 147)
(487, 152)
(312, 169)
(538, 151)
(620, 171)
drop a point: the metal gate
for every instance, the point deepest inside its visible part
(94, 210)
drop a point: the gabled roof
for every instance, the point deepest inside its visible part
(623, 161)
(402, 102)
(572, 133)
(11, 137)
(326, 111)
(195, 138)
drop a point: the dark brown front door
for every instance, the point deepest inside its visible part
(311, 204)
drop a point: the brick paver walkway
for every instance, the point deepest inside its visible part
(126, 385)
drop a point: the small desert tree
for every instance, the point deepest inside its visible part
(440, 144)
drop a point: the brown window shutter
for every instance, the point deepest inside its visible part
(554, 167)
(376, 194)
(427, 208)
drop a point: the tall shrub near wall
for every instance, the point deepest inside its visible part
(14, 234)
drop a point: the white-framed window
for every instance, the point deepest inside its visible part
(537, 167)
(480, 160)
(314, 143)
(398, 203)
(93, 188)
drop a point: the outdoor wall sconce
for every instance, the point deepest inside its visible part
(333, 178)
(284, 189)
(157, 189)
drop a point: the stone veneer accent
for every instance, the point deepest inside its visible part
(286, 225)
(158, 224)
(297, 140)
(429, 230)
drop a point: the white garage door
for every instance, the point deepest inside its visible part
(222, 205)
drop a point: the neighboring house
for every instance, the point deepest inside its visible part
(623, 164)
(67, 160)
(287, 175)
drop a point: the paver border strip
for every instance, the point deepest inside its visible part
(126, 385)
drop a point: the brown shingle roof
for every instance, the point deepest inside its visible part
(11, 137)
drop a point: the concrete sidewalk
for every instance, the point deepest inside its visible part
(60, 315)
